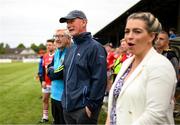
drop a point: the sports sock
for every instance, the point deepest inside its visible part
(45, 114)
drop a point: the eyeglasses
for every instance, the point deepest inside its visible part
(56, 37)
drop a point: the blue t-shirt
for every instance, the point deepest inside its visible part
(57, 86)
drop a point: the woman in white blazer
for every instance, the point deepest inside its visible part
(143, 91)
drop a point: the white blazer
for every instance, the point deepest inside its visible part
(146, 97)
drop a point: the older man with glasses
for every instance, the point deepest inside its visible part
(55, 72)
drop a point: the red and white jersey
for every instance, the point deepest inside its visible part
(47, 59)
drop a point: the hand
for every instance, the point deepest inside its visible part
(88, 112)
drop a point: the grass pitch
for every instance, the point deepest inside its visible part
(20, 93)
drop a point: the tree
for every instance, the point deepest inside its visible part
(2, 49)
(35, 47)
(42, 47)
(21, 46)
(7, 46)
(1, 45)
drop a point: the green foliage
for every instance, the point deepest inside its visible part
(42, 47)
(1, 45)
(21, 46)
(37, 48)
(2, 49)
(7, 46)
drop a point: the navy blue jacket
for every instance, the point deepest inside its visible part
(84, 74)
(40, 69)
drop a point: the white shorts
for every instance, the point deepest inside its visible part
(47, 89)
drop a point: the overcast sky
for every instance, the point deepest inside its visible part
(35, 21)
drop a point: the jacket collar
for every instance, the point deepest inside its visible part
(82, 37)
(136, 72)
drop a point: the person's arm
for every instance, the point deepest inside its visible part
(40, 67)
(175, 64)
(55, 74)
(107, 119)
(43, 70)
(159, 96)
(97, 66)
(43, 73)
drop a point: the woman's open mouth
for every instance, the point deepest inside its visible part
(131, 44)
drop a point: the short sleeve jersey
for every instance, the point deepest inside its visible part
(47, 59)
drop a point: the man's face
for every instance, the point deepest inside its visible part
(76, 26)
(162, 41)
(50, 46)
(61, 40)
(124, 46)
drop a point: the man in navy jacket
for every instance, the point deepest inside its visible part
(84, 73)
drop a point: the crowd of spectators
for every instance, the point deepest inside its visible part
(83, 71)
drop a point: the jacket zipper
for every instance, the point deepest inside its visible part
(84, 94)
(74, 52)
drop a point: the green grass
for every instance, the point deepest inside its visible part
(20, 92)
(19, 95)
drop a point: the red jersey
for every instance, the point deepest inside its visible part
(110, 59)
(47, 59)
(124, 57)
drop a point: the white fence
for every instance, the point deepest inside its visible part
(5, 60)
(25, 60)
(30, 60)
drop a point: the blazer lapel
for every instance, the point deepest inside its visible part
(137, 71)
(129, 81)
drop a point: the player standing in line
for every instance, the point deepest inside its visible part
(46, 82)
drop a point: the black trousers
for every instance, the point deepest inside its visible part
(80, 117)
(57, 112)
